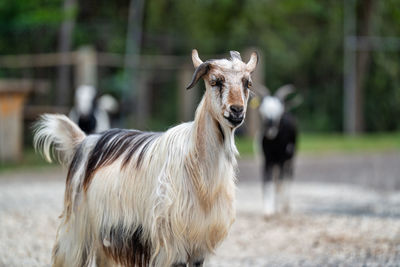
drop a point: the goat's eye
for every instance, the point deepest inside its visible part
(247, 84)
(217, 82)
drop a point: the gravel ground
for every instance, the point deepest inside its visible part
(347, 220)
(336, 225)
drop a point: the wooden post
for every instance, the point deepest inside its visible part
(142, 112)
(187, 98)
(252, 122)
(12, 97)
(63, 93)
(86, 67)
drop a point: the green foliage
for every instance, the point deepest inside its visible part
(30, 160)
(29, 26)
(300, 42)
(298, 39)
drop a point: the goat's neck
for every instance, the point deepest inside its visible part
(211, 138)
(212, 150)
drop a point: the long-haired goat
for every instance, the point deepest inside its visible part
(278, 141)
(152, 199)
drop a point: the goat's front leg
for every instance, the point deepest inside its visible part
(269, 189)
(198, 263)
(284, 186)
(191, 263)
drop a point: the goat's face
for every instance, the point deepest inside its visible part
(227, 86)
(271, 111)
(85, 96)
(273, 107)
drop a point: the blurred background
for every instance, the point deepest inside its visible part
(343, 57)
(139, 52)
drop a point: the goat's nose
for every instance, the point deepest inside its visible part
(236, 109)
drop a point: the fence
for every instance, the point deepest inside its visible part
(149, 85)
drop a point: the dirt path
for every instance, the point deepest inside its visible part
(346, 212)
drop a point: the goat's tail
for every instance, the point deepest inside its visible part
(57, 137)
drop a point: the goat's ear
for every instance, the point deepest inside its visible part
(251, 65)
(196, 59)
(198, 73)
(294, 103)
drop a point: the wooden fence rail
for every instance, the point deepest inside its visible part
(103, 59)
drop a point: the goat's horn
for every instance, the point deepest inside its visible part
(235, 54)
(198, 73)
(196, 59)
(284, 91)
(251, 65)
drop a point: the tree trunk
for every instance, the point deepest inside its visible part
(364, 12)
(64, 89)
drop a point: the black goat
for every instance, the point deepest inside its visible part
(278, 141)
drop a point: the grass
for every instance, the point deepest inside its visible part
(316, 143)
(30, 160)
(327, 143)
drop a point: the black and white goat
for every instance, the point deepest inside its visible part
(278, 136)
(92, 113)
(137, 198)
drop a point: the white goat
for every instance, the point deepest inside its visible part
(152, 199)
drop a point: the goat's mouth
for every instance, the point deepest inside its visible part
(235, 120)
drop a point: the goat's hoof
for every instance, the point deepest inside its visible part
(269, 213)
(198, 263)
(268, 217)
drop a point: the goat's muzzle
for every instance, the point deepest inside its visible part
(236, 115)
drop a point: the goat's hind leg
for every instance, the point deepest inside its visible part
(66, 254)
(74, 245)
(61, 256)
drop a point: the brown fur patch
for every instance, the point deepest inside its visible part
(216, 234)
(200, 141)
(205, 197)
(235, 97)
(194, 172)
(195, 158)
(127, 247)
